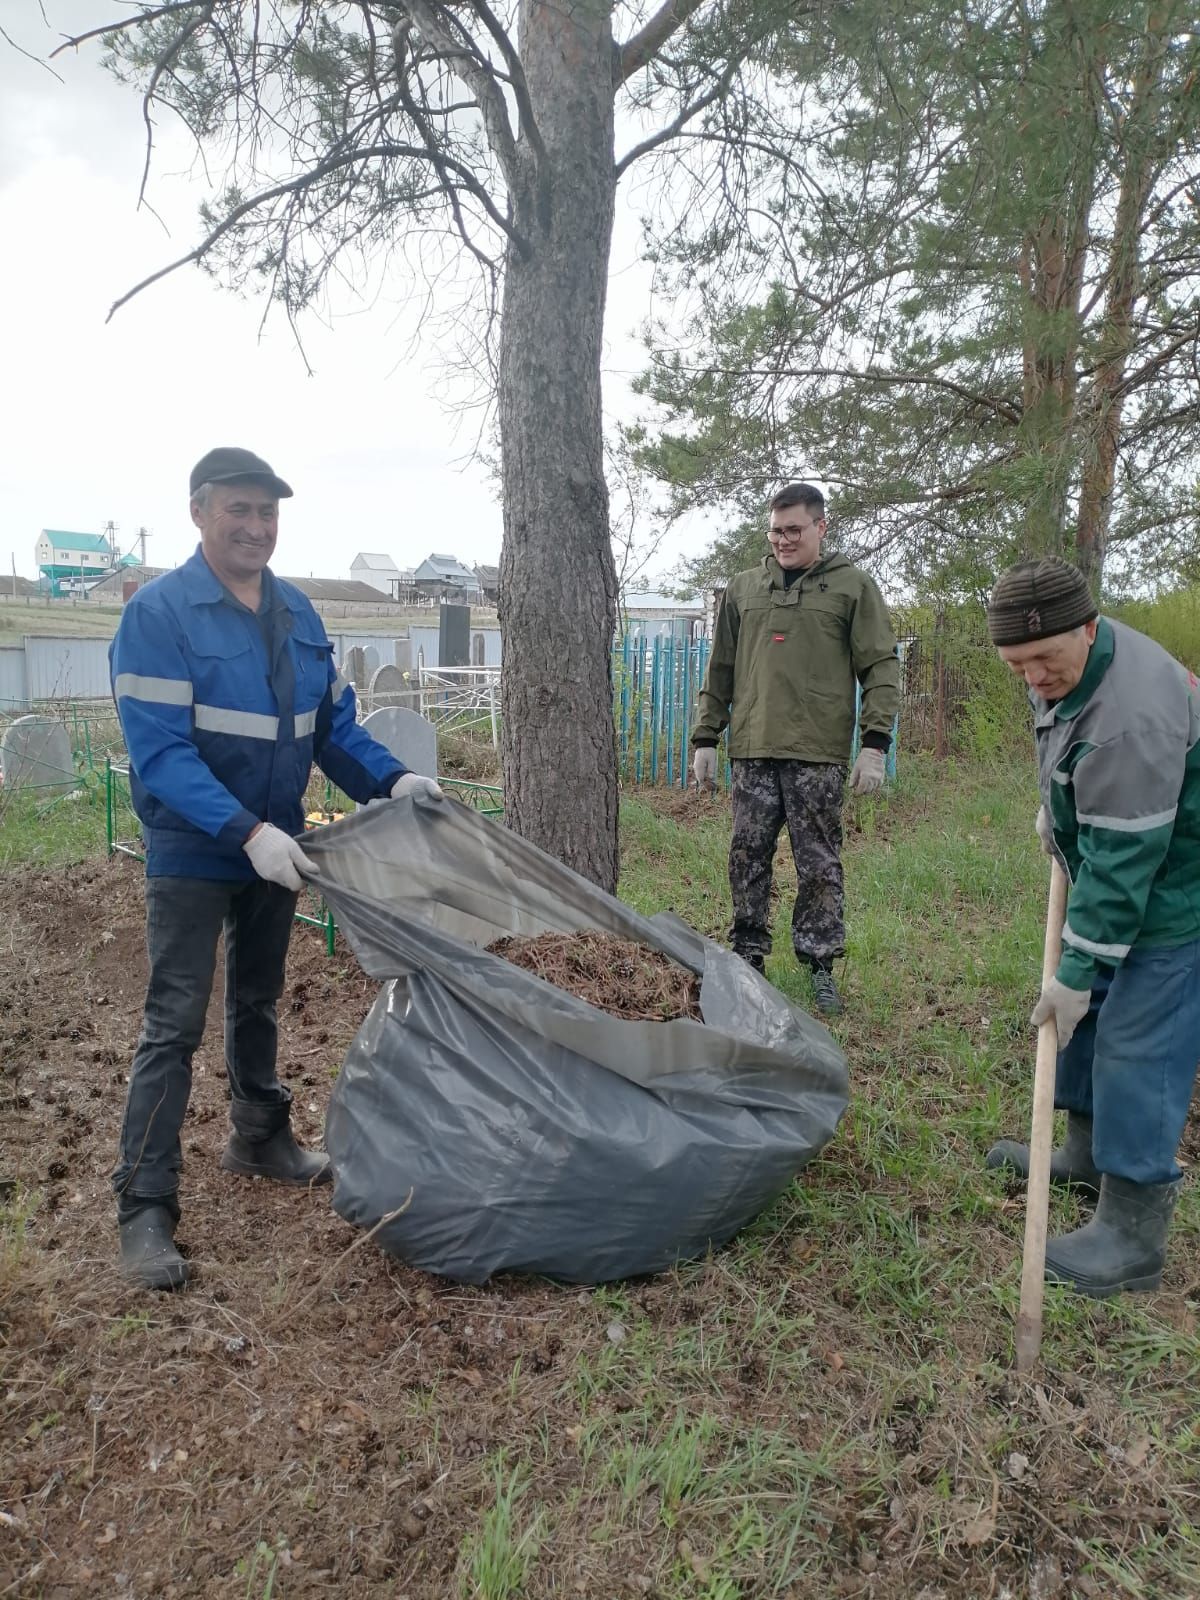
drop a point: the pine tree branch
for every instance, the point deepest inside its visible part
(165, 61)
(439, 28)
(516, 76)
(298, 185)
(1004, 408)
(420, 119)
(637, 52)
(673, 129)
(123, 23)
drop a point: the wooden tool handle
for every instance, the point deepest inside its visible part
(1037, 1193)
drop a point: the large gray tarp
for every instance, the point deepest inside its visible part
(536, 1133)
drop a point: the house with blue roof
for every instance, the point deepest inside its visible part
(445, 578)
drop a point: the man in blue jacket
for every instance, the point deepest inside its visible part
(227, 693)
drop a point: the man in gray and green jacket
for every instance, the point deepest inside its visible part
(1117, 723)
(793, 637)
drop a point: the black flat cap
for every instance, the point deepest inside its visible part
(228, 464)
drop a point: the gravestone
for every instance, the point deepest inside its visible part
(391, 687)
(35, 753)
(370, 660)
(354, 667)
(410, 737)
(454, 636)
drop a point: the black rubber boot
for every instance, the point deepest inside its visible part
(825, 992)
(753, 958)
(1124, 1246)
(278, 1157)
(1071, 1164)
(148, 1253)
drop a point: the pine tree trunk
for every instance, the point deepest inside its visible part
(557, 581)
(1062, 149)
(1140, 154)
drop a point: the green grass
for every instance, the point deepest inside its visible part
(62, 830)
(497, 1557)
(827, 1407)
(875, 1304)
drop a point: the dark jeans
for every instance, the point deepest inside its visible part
(1131, 1062)
(184, 917)
(807, 795)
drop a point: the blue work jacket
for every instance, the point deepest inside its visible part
(224, 710)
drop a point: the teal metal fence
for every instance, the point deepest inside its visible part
(656, 687)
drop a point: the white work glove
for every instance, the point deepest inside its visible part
(868, 771)
(704, 766)
(277, 857)
(1067, 1006)
(418, 787)
(1045, 832)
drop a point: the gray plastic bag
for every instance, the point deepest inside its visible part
(537, 1133)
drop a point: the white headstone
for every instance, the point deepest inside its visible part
(408, 735)
(390, 687)
(35, 753)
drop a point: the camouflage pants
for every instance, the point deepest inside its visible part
(807, 795)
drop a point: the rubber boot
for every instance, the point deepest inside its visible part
(278, 1157)
(753, 958)
(1124, 1246)
(148, 1253)
(1071, 1164)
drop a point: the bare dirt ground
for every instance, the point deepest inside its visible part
(314, 1400)
(152, 1442)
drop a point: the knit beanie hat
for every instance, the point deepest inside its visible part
(1037, 599)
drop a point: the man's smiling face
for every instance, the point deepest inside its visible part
(239, 524)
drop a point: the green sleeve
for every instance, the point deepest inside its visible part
(1126, 794)
(873, 657)
(716, 696)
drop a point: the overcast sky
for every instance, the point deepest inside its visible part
(103, 422)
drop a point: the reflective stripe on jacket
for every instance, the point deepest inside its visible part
(224, 711)
(1119, 770)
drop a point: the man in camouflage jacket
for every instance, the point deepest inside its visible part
(1117, 722)
(793, 637)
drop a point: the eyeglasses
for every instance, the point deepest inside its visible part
(789, 535)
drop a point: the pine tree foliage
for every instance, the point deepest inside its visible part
(974, 305)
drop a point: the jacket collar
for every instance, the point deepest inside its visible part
(775, 572)
(203, 587)
(1098, 662)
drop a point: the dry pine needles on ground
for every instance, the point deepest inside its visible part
(620, 976)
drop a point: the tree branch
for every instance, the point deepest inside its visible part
(1004, 408)
(77, 39)
(421, 123)
(516, 76)
(162, 65)
(629, 58)
(28, 54)
(665, 135)
(298, 185)
(476, 72)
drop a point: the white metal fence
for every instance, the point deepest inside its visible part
(459, 699)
